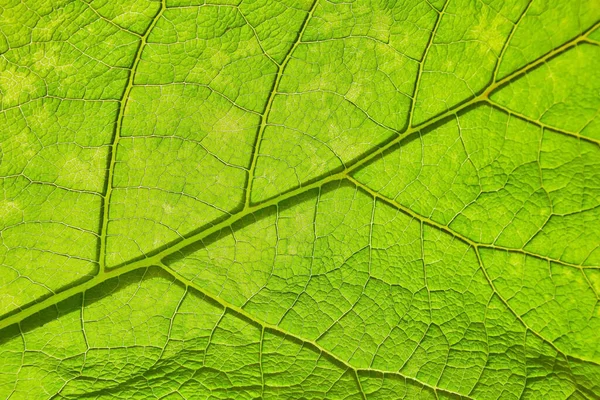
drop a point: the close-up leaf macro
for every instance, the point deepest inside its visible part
(300, 199)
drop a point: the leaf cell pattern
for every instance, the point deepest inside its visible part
(299, 199)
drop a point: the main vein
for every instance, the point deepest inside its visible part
(157, 257)
(351, 167)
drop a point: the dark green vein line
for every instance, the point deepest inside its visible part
(422, 62)
(269, 104)
(534, 64)
(359, 385)
(65, 294)
(240, 311)
(456, 234)
(476, 247)
(575, 135)
(518, 317)
(112, 156)
(508, 39)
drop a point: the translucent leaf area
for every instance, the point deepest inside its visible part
(299, 199)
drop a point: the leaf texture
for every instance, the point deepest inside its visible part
(245, 199)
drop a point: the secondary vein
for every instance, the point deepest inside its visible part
(269, 104)
(112, 153)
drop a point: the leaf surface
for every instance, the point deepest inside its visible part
(299, 199)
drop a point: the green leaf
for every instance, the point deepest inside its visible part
(247, 199)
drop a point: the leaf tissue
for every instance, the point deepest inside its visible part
(299, 199)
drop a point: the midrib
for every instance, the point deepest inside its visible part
(156, 258)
